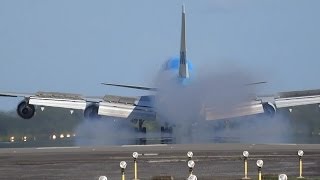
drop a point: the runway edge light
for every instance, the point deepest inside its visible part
(192, 177)
(190, 154)
(245, 154)
(283, 177)
(191, 165)
(135, 156)
(103, 178)
(123, 166)
(245, 158)
(300, 154)
(260, 165)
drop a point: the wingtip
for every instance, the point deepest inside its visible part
(183, 9)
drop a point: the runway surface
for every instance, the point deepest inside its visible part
(213, 161)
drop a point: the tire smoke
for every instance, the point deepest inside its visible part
(183, 106)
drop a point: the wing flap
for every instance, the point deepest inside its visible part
(125, 111)
(58, 95)
(290, 94)
(56, 99)
(247, 109)
(61, 103)
(119, 99)
(297, 101)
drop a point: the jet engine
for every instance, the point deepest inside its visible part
(269, 109)
(25, 110)
(91, 111)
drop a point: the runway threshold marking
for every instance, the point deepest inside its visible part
(42, 148)
(148, 145)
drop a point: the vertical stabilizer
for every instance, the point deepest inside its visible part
(183, 68)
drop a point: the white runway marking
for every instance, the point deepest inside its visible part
(169, 160)
(41, 148)
(281, 144)
(148, 145)
(151, 154)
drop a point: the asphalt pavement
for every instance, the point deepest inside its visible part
(213, 161)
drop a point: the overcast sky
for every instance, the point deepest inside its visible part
(73, 45)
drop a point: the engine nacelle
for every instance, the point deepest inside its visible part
(91, 111)
(25, 110)
(269, 109)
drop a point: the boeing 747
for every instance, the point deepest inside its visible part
(142, 108)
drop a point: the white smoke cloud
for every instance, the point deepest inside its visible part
(182, 107)
(105, 131)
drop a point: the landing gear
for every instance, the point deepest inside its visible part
(142, 131)
(166, 128)
(153, 136)
(138, 123)
(166, 134)
(140, 126)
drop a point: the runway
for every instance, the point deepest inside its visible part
(213, 161)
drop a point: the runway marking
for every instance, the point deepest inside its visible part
(43, 148)
(169, 160)
(151, 154)
(148, 145)
(282, 144)
(309, 163)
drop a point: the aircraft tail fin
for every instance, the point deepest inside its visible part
(183, 68)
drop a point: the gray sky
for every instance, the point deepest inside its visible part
(73, 45)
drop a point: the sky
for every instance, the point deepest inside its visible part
(74, 45)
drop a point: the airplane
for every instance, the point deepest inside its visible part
(140, 109)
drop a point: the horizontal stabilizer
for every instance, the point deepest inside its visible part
(131, 86)
(13, 94)
(256, 83)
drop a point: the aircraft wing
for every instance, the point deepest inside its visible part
(51, 99)
(108, 105)
(267, 104)
(297, 98)
(141, 107)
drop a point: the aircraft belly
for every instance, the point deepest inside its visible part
(61, 103)
(126, 111)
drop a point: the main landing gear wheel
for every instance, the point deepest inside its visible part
(166, 130)
(166, 134)
(140, 128)
(142, 131)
